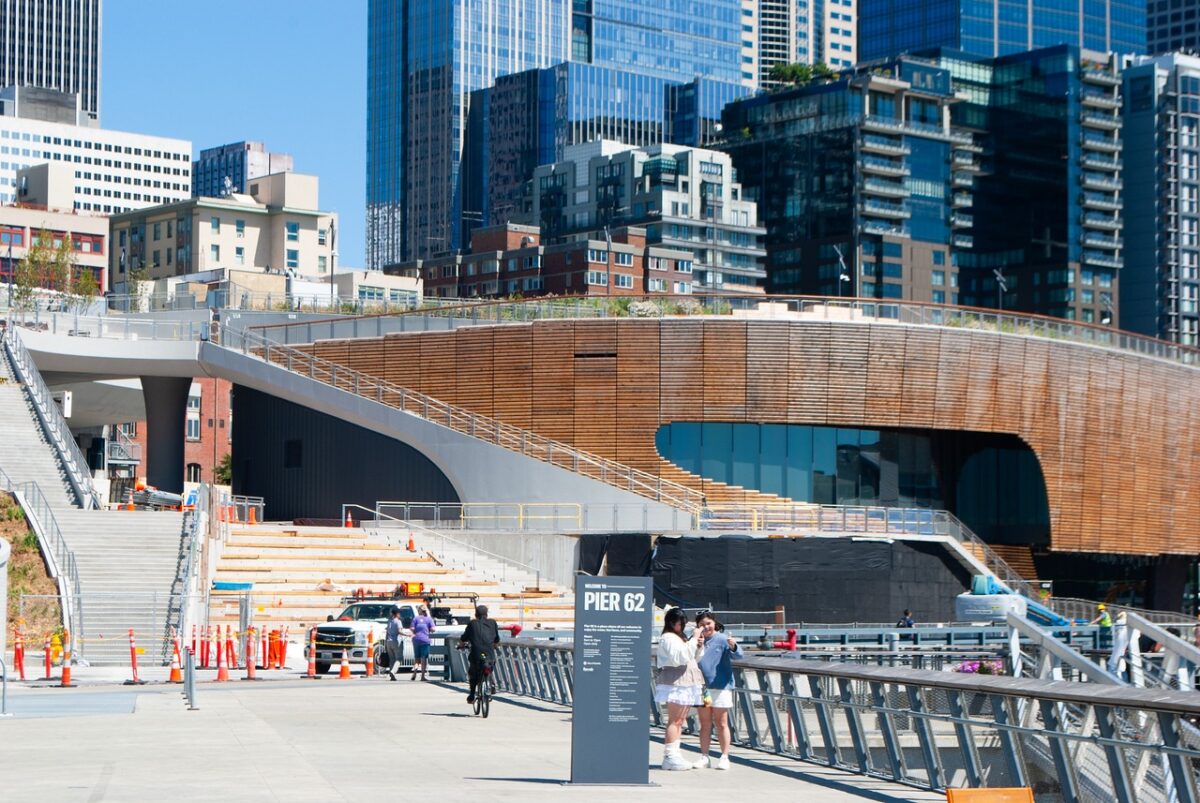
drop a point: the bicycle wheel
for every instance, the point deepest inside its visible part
(485, 701)
(478, 702)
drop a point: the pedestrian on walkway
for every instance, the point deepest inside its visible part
(422, 626)
(680, 683)
(1120, 643)
(395, 647)
(716, 664)
(906, 620)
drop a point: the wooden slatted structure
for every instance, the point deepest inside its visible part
(1117, 434)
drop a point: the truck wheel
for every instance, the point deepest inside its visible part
(381, 661)
(322, 668)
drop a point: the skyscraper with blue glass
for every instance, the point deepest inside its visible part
(427, 58)
(887, 28)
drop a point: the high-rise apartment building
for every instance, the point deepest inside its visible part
(686, 199)
(1160, 285)
(1172, 25)
(239, 162)
(53, 44)
(803, 32)
(1049, 197)
(863, 185)
(888, 28)
(425, 61)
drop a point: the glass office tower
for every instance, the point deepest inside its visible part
(424, 59)
(53, 44)
(887, 28)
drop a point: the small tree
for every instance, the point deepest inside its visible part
(794, 74)
(61, 270)
(822, 70)
(31, 272)
(223, 471)
(86, 288)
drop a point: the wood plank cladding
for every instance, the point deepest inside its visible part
(1117, 435)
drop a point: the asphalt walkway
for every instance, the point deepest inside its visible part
(331, 740)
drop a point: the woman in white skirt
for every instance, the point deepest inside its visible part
(716, 664)
(680, 684)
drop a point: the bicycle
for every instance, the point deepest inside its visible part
(485, 691)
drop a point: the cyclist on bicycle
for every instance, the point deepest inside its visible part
(481, 637)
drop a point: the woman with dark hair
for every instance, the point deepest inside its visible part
(716, 664)
(679, 685)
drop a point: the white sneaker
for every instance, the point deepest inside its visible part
(723, 764)
(674, 761)
(701, 764)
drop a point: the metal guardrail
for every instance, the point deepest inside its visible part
(1075, 608)
(109, 328)
(238, 298)
(59, 557)
(935, 729)
(53, 423)
(484, 428)
(860, 310)
(536, 517)
(121, 449)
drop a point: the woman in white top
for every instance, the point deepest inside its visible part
(680, 684)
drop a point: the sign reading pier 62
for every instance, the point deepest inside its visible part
(610, 728)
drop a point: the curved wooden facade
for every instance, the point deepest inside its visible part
(1116, 433)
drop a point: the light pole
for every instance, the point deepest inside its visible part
(844, 272)
(332, 263)
(1001, 288)
(1107, 316)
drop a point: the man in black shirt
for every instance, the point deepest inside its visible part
(481, 637)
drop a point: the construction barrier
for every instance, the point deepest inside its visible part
(192, 654)
(370, 653)
(250, 655)
(222, 668)
(133, 663)
(66, 683)
(283, 642)
(344, 672)
(312, 655)
(46, 655)
(19, 654)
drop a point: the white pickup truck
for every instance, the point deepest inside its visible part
(361, 629)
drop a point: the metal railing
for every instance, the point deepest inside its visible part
(120, 448)
(113, 328)
(59, 557)
(52, 421)
(934, 730)
(463, 421)
(541, 516)
(237, 298)
(1085, 609)
(189, 587)
(861, 310)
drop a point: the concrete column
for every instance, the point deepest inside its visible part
(166, 413)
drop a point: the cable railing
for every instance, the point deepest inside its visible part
(426, 407)
(808, 308)
(110, 327)
(59, 556)
(53, 423)
(933, 729)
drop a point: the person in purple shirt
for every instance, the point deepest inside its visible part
(422, 626)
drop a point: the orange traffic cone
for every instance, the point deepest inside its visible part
(349, 519)
(370, 653)
(222, 664)
(252, 517)
(312, 655)
(412, 544)
(176, 669)
(344, 672)
(66, 683)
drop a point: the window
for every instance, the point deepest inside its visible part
(293, 231)
(193, 414)
(658, 285)
(193, 472)
(597, 255)
(322, 264)
(622, 280)
(215, 225)
(322, 235)
(683, 288)
(239, 256)
(155, 260)
(293, 258)
(214, 252)
(684, 266)
(938, 278)
(597, 277)
(240, 227)
(368, 293)
(157, 231)
(624, 259)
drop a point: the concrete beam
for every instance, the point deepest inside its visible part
(166, 410)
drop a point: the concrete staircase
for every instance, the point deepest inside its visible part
(127, 562)
(300, 575)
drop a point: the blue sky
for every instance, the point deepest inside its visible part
(290, 73)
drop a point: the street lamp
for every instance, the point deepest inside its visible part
(1108, 313)
(844, 274)
(1001, 287)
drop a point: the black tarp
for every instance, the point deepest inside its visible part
(628, 553)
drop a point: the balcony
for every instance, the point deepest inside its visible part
(873, 143)
(1100, 241)
(884, 167)
(962, 241)
(962, 200)
(1100, 76)
(1105, 222)
(1097, 100)
(1098, 142)
(964, 161)
(1093, 200)
(960, 221)
(887, 229)
(962, 180)
(888, 189)
(1105, 122)
(878, 208)
(1099, 181)
(1098, 162)
(1102, 260)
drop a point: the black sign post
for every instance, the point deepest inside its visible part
(610, 726)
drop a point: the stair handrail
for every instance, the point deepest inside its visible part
(51, 418)
(59, 557)
(1077, 608)
(1022, 628)
(123, 446)
(189, 588)
(426, 407)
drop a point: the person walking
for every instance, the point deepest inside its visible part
(422, 626)
(395, 648)
(716, 664)
(906, 621)
(680, 683)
